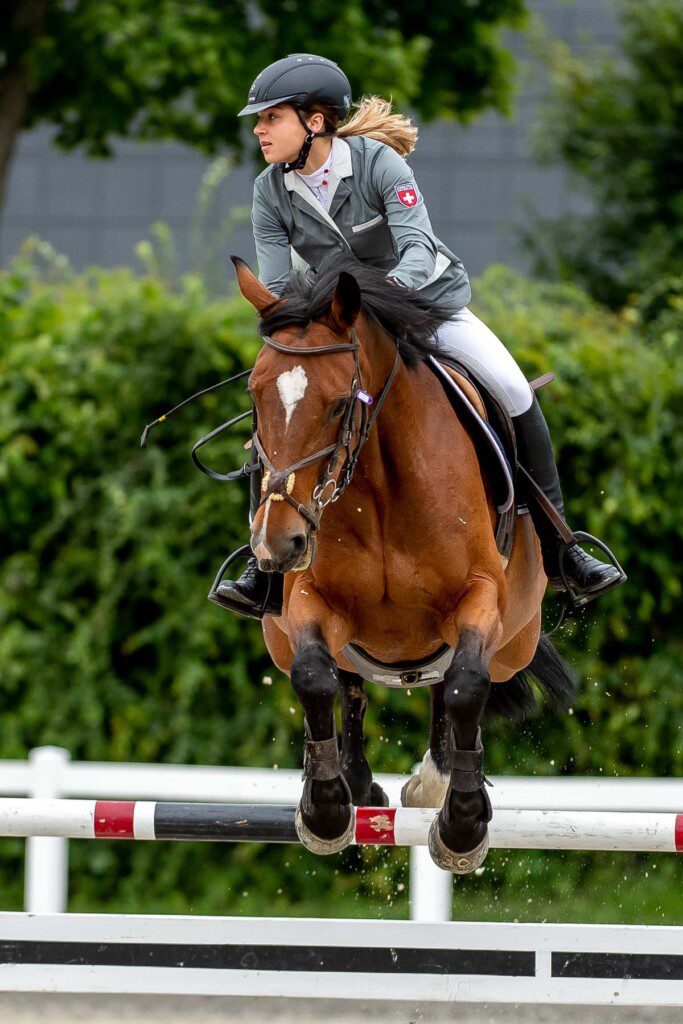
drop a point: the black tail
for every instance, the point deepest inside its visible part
(547, 672)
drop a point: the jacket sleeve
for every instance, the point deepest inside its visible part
(272, 244)
(407, 218)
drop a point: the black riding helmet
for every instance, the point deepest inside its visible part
(300, 79)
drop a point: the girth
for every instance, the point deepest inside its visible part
(400, 674)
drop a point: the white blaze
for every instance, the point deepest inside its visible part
(292, 387)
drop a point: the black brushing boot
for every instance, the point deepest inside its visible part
(255, 593)
(587, 576)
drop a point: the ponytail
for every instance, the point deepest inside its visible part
(372, 117)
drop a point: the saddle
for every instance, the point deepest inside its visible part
(490, 427)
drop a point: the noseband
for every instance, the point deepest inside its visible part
(279, 483)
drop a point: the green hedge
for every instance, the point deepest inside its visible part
(109, 647)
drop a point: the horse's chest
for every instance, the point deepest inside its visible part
(402, 594)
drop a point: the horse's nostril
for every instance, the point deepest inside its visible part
(298, 542)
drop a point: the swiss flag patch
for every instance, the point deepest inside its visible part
(407, 194)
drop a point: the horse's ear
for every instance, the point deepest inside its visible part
(346, 302)
(251, 287)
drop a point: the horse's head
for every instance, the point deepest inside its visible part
(308, 414)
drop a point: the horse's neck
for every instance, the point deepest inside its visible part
(415, 442)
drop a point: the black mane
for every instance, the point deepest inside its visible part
(405, 313)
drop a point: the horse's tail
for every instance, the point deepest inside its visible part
(547, 672)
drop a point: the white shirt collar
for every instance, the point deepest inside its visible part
(316, 178)
(341, 167)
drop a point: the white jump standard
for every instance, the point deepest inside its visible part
(375, 826)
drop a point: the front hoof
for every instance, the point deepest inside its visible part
(456, 863)
(315, 844)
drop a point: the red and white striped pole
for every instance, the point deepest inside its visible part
(382, 826)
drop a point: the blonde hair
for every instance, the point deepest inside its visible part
(373, 118)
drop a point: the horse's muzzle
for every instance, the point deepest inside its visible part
(285, 552)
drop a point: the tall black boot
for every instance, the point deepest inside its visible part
(255, 593)
(586, 575)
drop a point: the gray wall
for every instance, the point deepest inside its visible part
(475, 179)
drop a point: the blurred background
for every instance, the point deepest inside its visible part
(550, 157)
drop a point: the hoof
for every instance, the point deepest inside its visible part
(427, 788)
(324, 846)
(409, 792)
(456, 863)
(378, 798)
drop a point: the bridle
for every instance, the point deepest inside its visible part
(279, 483)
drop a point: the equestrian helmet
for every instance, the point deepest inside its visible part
(300, 79)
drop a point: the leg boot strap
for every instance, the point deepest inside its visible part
(467, 766)
(467, 772)
(321, 757)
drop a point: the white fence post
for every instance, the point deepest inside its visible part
(46, 872)
(431, 888)
(430, 892)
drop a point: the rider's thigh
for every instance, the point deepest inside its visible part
(468, 339)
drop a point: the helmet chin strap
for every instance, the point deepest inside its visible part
(296, 165)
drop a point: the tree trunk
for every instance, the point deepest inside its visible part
(15, 87)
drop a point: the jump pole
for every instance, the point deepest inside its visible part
(375, 826)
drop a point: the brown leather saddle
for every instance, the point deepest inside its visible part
(490, 427)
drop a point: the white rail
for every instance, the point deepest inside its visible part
(345, 960)
(50, 774)
(50, 767)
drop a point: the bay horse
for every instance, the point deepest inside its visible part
(374, 506)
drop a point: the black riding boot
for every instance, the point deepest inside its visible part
(255, 593)
(586, 575)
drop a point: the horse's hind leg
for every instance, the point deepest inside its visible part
(458, 838)
(324, 818)
(427, 788)
(354, 763)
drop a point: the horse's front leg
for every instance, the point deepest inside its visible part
(324, 818)
(458, 838)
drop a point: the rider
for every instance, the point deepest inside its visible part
(333, 184)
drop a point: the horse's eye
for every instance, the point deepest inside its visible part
(336, 408)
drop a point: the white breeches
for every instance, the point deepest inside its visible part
(470, 341)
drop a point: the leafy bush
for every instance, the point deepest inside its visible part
(616, 122)
(109, 647)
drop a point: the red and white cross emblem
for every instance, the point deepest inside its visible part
(407, 194)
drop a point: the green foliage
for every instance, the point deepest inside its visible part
(617, 123)
(151, 69)
(109, 647)
(615, 417)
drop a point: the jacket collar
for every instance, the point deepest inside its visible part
(339, 190)
(342, 169)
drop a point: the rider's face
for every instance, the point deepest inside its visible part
(281, 134)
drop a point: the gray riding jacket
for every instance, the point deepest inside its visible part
(375, 210)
